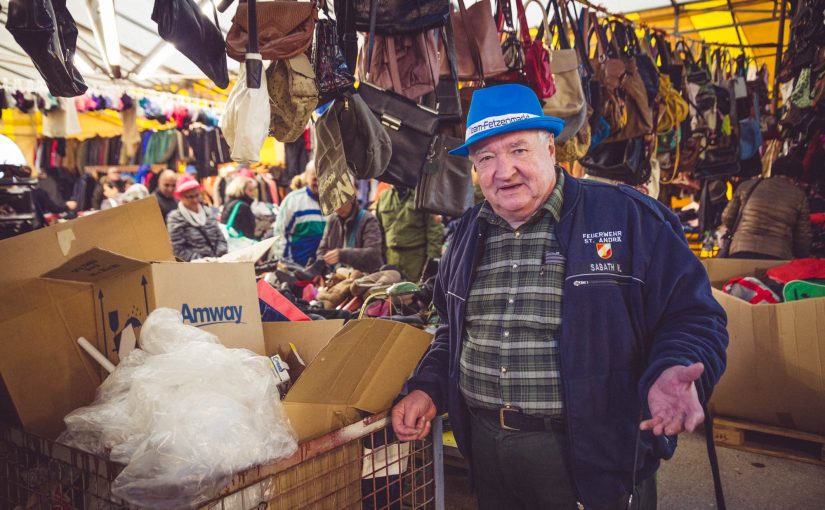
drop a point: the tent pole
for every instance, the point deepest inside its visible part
(779, 55)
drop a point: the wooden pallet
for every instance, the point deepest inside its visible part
(769, 440)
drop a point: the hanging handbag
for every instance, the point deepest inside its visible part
(293, 97)
(447, 100)
(511, 46)
(48, 34)
(390, 17)
(568, 101)
(623, 160)
(446, 184)
(609, 71)
(332, 75)
(537, 70)
(476, 43)
(285, 29)
(639, 119)
(411, 128)
(183, 24)
(335, 182)
(407, 64)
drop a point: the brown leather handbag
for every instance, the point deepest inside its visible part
(285, 29)
(639, 114)
(477, 43)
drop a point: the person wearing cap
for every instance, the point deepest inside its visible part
(192, 228)
(578, 332)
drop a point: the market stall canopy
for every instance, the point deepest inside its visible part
(145, 59)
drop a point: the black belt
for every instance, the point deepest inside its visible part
(512, 418)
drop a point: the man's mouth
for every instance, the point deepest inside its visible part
(509, 187)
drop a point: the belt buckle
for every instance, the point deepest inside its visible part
(502, 411)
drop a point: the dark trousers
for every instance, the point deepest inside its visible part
(528, 470)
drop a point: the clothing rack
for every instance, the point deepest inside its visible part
(39, 86)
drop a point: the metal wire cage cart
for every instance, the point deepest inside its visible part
(359, 466)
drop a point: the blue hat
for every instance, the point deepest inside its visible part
(503, 109)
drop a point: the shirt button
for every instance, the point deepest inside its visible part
(503, 370)
(506, 333)
(518, 234)
(511, 301)
(515, 266)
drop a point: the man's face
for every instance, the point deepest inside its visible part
(345, 210)
(166, 183)
(516, 172)
(312, 181)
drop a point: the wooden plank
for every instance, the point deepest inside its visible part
(770, 440)
(767, 429)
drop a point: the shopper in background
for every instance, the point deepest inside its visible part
(194, 231)
(410, 236)
(578, 331)
(300, 224)
(133, 193)
(241, 192)
(775, 222)
(165, 193)
(105, 195)
(352, 238)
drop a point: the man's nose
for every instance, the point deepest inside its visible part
(505, 169)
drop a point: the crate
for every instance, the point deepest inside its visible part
(769, 440)
(359, 466)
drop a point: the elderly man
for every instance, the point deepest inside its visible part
(578, 333)
(166, 192)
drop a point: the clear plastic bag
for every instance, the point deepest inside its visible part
(184, 413)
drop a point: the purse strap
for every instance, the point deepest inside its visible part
(449, 46)
(252, 60)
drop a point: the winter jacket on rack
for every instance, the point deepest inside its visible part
(358, 237)
(775, 222)
(299, 227)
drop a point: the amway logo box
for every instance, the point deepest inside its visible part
(208, 315)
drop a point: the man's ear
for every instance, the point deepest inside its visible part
(551, 142)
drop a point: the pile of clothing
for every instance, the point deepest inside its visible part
(322, 292)
(798, 279)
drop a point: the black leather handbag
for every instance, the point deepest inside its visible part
(48, 34)
(411, 128)
(446, 185)
(332, 75)
(623, 160)
(448, 102)
(183, 24)
(399, 16)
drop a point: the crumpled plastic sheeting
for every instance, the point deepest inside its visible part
(183, 413)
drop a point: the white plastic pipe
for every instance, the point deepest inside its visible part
(100, 358)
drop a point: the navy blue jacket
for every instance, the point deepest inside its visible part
(629, 311)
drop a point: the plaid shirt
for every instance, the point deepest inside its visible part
(510, 354)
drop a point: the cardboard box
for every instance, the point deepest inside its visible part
(93, 277)
(362, 367)
(776, 357)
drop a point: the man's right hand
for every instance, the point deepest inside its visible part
(412, 415)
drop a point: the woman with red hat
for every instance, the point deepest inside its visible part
(194, 231)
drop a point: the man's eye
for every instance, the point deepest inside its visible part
(520, 151)
(485, 158)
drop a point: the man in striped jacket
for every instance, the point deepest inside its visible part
(300, 223)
